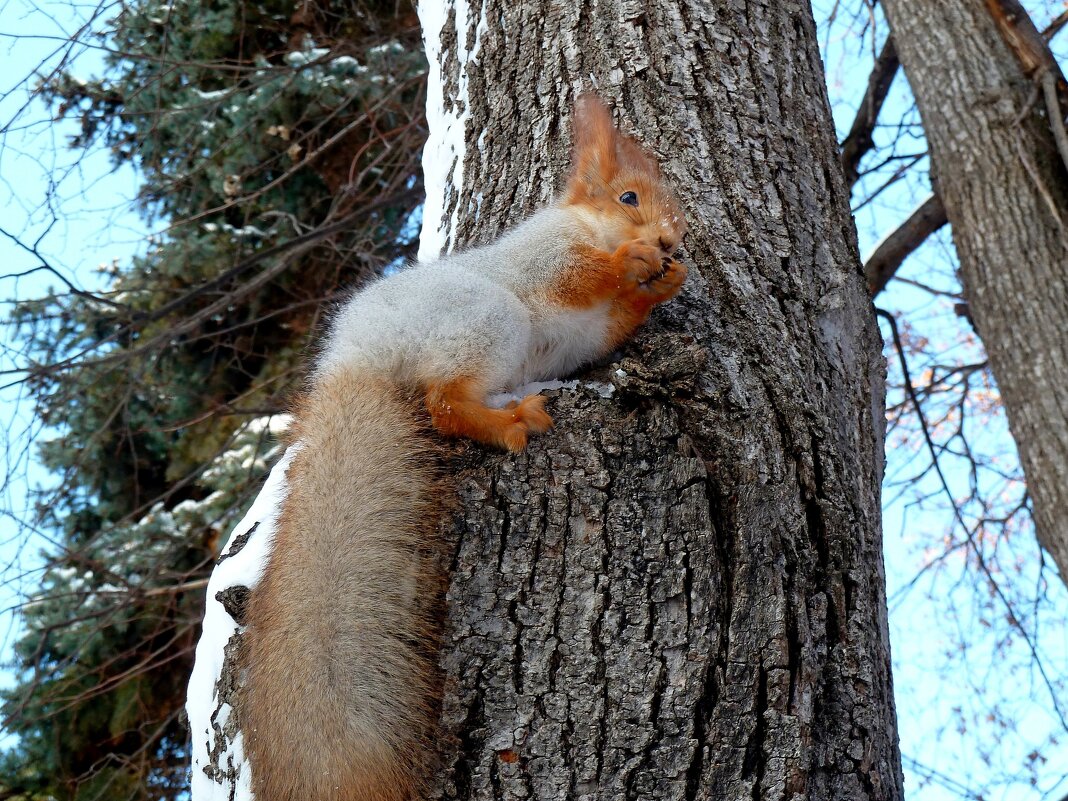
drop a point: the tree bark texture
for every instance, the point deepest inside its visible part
(1005, 191)
(678, 593)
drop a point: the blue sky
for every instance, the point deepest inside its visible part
(78, 215)
(973, 707)
(975, 712)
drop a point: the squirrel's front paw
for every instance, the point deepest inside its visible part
(638, 262)
(667, 281)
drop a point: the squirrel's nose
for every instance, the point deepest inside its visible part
(668, 244)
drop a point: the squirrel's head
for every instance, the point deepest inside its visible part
(616, 186)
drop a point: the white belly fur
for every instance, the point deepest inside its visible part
(564, 340)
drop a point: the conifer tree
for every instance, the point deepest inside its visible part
(278, 153)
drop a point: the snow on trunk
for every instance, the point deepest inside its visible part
(447, 121)
(220, 771)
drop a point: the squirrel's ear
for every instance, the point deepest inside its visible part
(601, 152)
(631, 157)
(596, 142)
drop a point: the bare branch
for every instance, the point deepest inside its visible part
(1055, 25)
(900, 243)
(1020, 34)
(859, 139)
(1040, 185)
(969, 534)
(1055, 113)
(1031, 49)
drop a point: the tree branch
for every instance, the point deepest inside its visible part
(1055, 25)
(896, 247)
(1036, 59)
(1023, 38)
(1031, 49)
(1055, 114)
(859, 139)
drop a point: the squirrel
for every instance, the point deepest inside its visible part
(341, 686)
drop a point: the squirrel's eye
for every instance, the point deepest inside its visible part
(629, 198)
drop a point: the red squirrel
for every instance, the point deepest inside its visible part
(340, 686)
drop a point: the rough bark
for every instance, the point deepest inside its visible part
(1005, 192)
(678, 593)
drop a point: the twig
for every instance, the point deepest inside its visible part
(859, 139)
(1040, 185)
(288, 250)
(1055, 113)
(1055, 25)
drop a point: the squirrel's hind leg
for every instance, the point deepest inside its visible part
(458, 409)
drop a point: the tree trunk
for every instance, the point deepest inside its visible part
(677, 593)
(1005, 190)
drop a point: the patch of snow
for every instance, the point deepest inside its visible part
(298, 58)
(274, 424)
(190, 507)
(245, 232)
(206, 716)
(388, 47)
(501, 399)
(602, 389)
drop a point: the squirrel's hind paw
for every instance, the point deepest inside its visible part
(529, 417)
(531, 412)
(456, 409)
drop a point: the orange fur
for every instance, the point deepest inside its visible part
(602, 153)
(339, 703)
(631, 310)
(608, 164)
(632, 280)
(457, 410)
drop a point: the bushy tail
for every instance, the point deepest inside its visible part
(341, 688)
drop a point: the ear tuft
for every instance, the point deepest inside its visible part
(631, 157)
(591, 122)
(594, 159)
